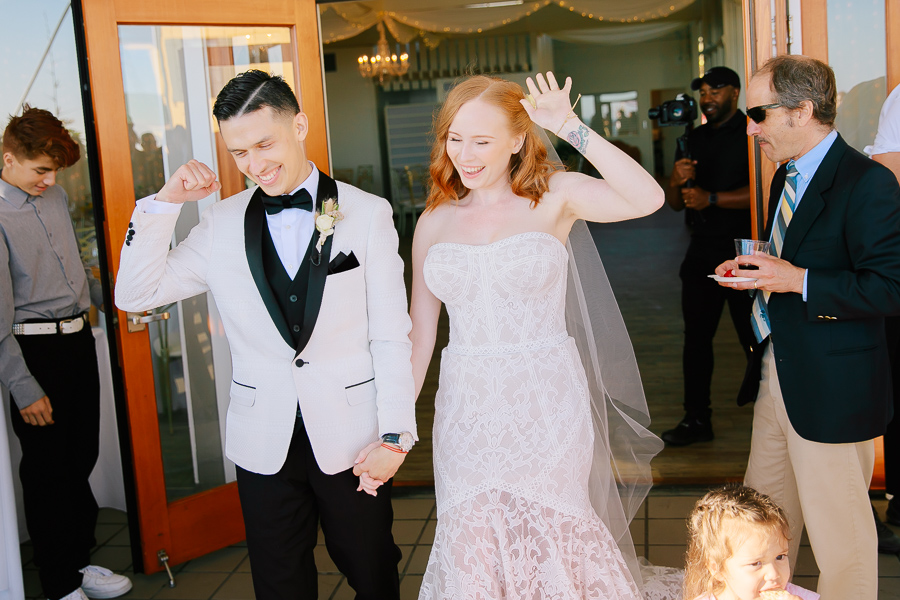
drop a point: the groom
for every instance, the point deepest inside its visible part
(317, 324)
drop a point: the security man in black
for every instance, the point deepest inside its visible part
(717, 212)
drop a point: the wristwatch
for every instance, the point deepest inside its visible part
(713, 198)
(404, 440)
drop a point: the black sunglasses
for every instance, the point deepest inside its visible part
(758, 113)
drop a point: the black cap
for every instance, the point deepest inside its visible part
(717, 77)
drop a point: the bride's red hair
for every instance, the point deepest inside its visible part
(529, 169)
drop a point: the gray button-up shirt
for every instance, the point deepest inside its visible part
(41, 276)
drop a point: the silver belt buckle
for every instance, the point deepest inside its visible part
(73, 325)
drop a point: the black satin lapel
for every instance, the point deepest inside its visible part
(327, 189)
(317, 274)
(314, 293)
(254, 221)
(813, 201)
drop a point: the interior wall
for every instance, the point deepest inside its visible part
(353, 109)
(666, 63)
(352, 116)
(642, 67)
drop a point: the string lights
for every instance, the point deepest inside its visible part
(514, 10)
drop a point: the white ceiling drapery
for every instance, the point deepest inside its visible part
(622, 34)
(406, 19)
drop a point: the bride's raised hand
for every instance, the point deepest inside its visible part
(551, 104)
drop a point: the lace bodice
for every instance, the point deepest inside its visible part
(503, 297)
(513, 436)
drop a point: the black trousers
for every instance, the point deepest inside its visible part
(281, 514)
(702, 301)
(57, 459)
(892, 435)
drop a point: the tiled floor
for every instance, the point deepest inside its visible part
(658, 531)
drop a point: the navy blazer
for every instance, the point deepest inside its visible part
(830, 351)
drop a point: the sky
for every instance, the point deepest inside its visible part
(25, 30)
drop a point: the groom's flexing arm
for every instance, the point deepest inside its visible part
(149, 274)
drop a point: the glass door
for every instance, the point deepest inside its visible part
(154, 78)
(171, 75)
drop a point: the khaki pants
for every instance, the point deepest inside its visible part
(824, 485)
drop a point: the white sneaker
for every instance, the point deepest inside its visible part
(103, 583)
(76, 595)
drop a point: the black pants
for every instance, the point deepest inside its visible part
(892, 435)
(57, 459)
(702, 301)
(281, 514)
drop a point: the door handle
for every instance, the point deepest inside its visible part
(138, 322)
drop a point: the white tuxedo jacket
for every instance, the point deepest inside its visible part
(353, 377)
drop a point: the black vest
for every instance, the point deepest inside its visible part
(290, 295)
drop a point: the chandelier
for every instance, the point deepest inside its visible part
(384, 63)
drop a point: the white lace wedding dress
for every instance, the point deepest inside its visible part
(513, 438)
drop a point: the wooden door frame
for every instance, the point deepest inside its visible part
(165, 525)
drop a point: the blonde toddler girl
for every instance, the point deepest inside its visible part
(738, 549)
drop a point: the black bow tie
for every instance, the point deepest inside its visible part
(299, 199)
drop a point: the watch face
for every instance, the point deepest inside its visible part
(406, 441)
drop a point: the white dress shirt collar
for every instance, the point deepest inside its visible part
(311, 183)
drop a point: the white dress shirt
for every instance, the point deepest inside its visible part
(291, 229)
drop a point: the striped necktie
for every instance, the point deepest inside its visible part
(787, 204)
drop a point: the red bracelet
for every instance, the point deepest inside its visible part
(393, 448)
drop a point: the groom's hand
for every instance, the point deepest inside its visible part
(380, 463)
(191, 182)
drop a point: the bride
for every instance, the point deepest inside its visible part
(541, 451)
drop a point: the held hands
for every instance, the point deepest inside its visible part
(374, 465)
(39, 413)
(551, 106)
(191, 182)
(774, 275)
(369, 485)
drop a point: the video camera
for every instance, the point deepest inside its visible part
(678, 112)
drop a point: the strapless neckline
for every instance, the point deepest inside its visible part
(501, 242)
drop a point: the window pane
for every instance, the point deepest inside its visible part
(171, 77)
(857, 52)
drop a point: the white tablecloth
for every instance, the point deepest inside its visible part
(106, 480)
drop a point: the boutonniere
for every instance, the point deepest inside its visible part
(331, 215)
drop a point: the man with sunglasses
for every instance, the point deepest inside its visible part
(718, 211)
(820, 373)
